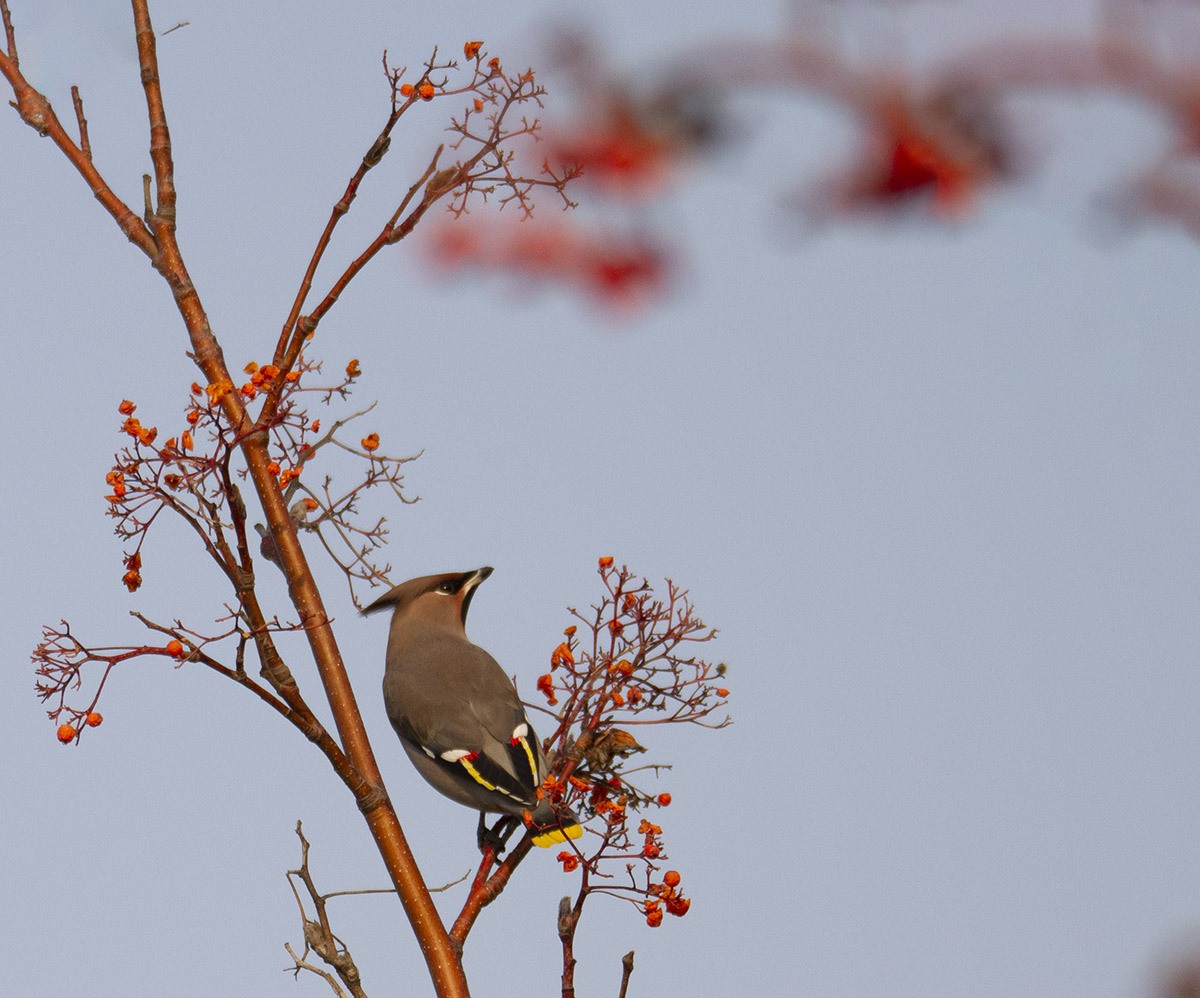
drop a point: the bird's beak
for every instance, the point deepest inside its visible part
(478, 576)
(469, 587)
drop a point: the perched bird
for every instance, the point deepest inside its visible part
(456, 712)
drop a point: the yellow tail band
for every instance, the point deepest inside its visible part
(553, 836)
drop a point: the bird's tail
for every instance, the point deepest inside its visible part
(549, 828)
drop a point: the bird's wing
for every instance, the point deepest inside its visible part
(470, 718)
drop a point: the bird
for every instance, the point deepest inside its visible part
(458, 715)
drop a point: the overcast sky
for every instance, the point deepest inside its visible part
(936, 487)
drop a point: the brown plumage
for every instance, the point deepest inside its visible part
(455, 710)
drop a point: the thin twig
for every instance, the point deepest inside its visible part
(568, 918)
(319, 936)
(626, 973)
(85, 145)
(9, 34)
(302, 964)
(392, 890)
(486, 889)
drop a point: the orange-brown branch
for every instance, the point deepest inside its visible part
(444, 966)
(35, 110)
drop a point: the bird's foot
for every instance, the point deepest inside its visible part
(497, 835)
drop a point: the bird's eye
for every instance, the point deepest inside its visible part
(447, 587)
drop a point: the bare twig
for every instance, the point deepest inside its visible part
(568, 918)
(626, 973)
(9, 34)
(36, 111)
(302, 964)
(319, 937)
(85, 145)
(486, 887)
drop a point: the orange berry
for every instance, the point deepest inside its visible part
(270, 372)
(606, 561)
(370, 442)
(175, 648)
(654, 918)
(722, 692)
(678, 906)
(426, 91)
(66, 732)
(186, 440)
(478, 104)
(273, 468)
(310, 504)
(664, 800)
(94, 720)
(126, 408)
(193, 416)
(292, 376)
(570, 631)
(671, 878)
(250, 368)
(316, 426)
(406, 89)
(352, 369)
(249, 390)
(471, 49)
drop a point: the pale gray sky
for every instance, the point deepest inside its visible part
(938, 489)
